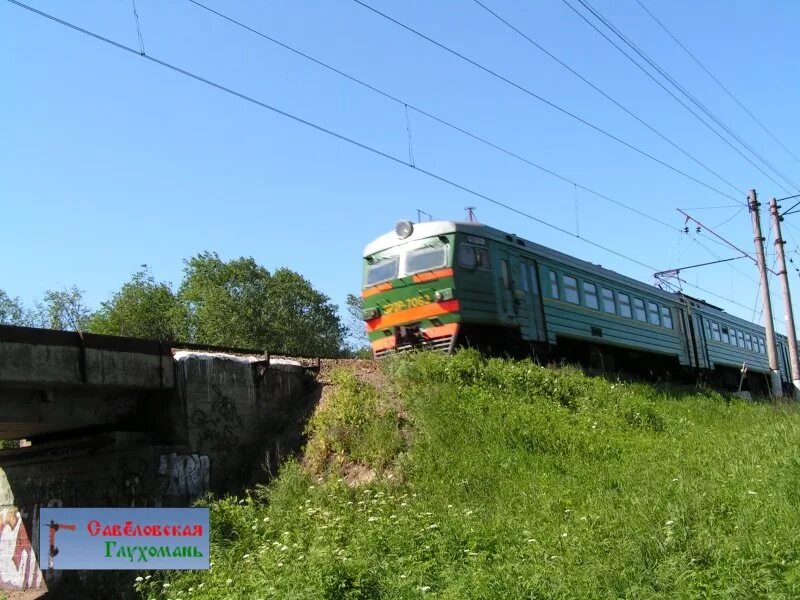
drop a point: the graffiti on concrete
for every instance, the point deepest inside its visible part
(218, 427)
(18, 565)
(127, 486)
(224, 408)
(187, 475)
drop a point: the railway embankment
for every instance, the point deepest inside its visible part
(461, 477)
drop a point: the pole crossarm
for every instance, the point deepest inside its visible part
(677, 270)
(725, 241)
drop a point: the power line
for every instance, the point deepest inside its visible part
(330, 132)
(670, 92)
(407, 105)
(731, 218)
(540, 98)
(686, 93)
(717, 81)
(340, 137)
(602, 93)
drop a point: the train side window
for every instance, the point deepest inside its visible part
(473, 257)
(666, 317)
(740, 337)
(607, 299)
(624, 305)
(523, 278)
(652, 312)
(554, 285)
(724, 335)
(715, 332)
(571, 290)
(748, 342)
(762, 348)
(733, 337)
(467, 257)
(534, 281)
(638, 310)
(505, 274)
(590, 295)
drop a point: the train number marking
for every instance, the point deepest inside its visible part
(398, 305)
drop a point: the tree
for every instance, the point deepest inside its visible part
(239, 303)
(63, 310)
(142, 308)
(12, 312)
(357, 340)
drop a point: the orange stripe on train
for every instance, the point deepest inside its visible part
(432, 275)
(377, 289)
(414, 314)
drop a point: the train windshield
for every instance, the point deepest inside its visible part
(382, 270)
(425, 259)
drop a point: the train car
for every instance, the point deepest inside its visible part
(442, 283)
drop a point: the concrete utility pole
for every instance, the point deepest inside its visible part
(772, 351)
(787, 297)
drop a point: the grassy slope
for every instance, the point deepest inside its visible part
(503, 479)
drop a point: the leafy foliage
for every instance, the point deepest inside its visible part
(142, 308)
(63, 309)
(12, 312)
(357, 340)
(239, 303)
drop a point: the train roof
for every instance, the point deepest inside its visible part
(434, 228)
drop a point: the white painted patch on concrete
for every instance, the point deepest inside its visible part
(188, 354)
(19, 568)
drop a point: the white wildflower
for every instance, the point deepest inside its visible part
(140, 579)
(228, 581)
(425, 588)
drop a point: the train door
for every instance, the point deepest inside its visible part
(513, 296)
(508, 310)
(523, 305)
(530, 275)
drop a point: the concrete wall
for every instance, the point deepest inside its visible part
(235, 408)
(214, 431)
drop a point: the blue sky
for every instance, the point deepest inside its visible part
(108, 161)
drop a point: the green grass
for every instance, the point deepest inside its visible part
(502, 479)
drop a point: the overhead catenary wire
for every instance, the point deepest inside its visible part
(322, 129)
(671, 93)
(604, 94)
(717, 81)
(407, 105)
(542, 99)
(690, 96)
(363, 146)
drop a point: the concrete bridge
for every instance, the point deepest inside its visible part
(111, 421)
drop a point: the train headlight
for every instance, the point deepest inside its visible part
(439, 296)
(403, 229)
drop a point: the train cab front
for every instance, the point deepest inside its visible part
(408, 293)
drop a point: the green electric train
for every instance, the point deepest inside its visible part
(440, 284)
